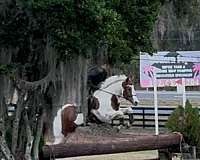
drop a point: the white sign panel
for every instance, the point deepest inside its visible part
(170, 68)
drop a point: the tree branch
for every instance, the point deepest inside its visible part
(35, 84)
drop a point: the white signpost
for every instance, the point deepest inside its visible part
(155, 104)
(181, 90)
(181, 68)
(184, 94)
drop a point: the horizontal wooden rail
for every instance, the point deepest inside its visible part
(111, 145)
(144, 116)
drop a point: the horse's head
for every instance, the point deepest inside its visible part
(129, 91)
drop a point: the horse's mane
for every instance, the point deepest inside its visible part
(111, 80)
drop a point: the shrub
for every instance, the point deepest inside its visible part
(186, 120)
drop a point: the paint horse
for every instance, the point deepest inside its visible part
(105, 103)
(64, 123)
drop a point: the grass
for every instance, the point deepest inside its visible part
(140, 155)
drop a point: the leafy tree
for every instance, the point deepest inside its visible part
(75, 27)
(139, 17)
(28, 28)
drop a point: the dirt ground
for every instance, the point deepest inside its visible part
(103, 132)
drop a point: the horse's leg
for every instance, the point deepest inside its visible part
(46, 132)
(114, 114)
(131, 118)
(100, 117)
(59, 139)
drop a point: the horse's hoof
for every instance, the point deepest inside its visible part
(118, 128)
(127, 125)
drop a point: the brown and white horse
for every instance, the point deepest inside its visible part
(65, 122)
(105, 103)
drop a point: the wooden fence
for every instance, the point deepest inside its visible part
(144, 115)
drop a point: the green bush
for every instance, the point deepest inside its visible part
(186, 120)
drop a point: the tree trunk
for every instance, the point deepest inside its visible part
(84, 92)
(4, 149)
(15, 129)
(112, 146)
(29, 142)
(36, 143)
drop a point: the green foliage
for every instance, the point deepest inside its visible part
(176, 120)
(6, 69)
(187, 122)
(74, 27)
(139, 18)
(3, 69)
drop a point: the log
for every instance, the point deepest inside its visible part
(147, 142)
